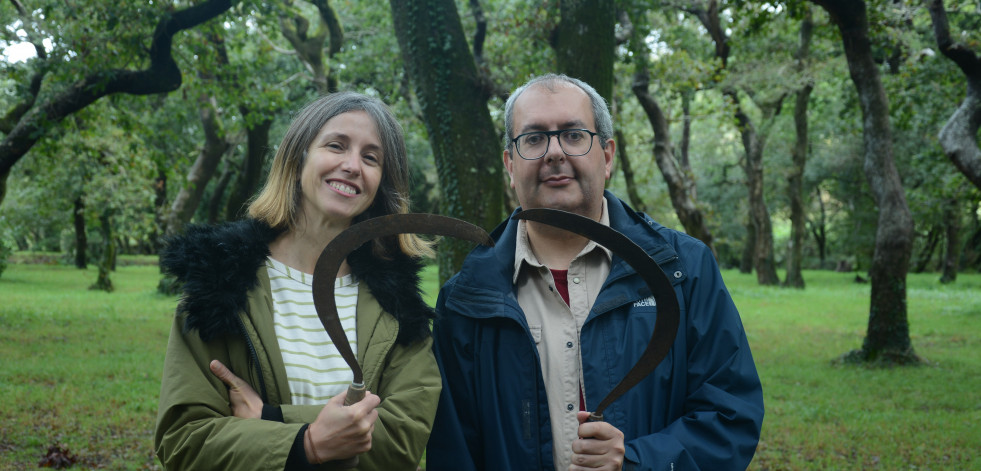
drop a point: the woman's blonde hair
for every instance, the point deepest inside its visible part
(278, 201)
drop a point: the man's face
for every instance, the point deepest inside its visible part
(558, 181)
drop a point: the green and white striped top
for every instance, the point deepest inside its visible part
(314, 368)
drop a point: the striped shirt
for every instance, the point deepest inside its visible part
(314, 368)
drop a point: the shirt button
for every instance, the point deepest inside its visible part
(569, 407)
(576, 280)
(568, 344)
(677, 274)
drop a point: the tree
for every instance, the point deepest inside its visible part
(454, 109)
(959, 137)
(795, 189)
(887, 339)
(753, 139)
(584, 43)
(191, 194)
(162, 75)
(677, 172)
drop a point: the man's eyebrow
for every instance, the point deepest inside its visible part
(532, 127)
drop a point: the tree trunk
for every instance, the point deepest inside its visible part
(959, 137)
(585, 42)
(926, 253)
(887, 340)
(159, 208)
(952, 253)
(108, 261)
(81, 241)
(819, 231)
(679, 183)
(681, 186)
(465, 144)
(161, 76)
(749, 248)
(189, 197)
(683, 159)
(250, 176)
(218, 192)
(753, 144)
(795, 187)
(309, 47)
(972, 248)
(628, 173)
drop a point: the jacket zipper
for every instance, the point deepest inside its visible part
(254, 358)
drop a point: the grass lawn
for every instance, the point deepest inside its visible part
(81, 369)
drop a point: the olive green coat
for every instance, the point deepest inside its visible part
(195, 428)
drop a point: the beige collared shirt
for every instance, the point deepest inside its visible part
(555, 327)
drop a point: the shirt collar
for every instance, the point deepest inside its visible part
(524, 255)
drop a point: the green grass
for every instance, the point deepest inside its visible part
(82, 368)
(820, 415)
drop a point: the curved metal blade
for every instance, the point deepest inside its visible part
(337, 250)
(668, 309)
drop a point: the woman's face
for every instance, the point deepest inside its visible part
(342, 171)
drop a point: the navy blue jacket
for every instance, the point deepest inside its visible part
(701, 408)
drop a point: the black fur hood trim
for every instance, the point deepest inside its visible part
(217, 267)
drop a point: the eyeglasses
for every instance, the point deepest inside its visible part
(573, 142)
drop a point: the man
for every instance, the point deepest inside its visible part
(535, 331)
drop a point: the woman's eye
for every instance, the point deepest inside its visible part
(334, 146)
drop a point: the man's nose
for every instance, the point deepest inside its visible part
(554, 152)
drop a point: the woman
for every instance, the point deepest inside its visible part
(251, 380)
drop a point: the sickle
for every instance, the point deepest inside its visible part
(357, 235)
(348, 241)
(668, 310)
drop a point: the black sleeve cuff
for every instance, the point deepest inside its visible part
(297, 460)
(273, 413)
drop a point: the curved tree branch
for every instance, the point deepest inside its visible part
(163, 75)
(958, 137)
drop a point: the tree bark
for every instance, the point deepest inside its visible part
(819, 229)
(926, 253)
(795, 187)
(749, 248)
(218, 192)
(628, 173)
(887, 340)
(161, 76)
(108, 261)
(685, 145)
(310, 46)
(952, 252)
(250, 175)
(959, 137)
(465, 144)
(81, 240)
(753, 145)
(189, 197)
(680, 184)
(585, 42)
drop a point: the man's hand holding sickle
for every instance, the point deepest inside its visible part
(668, 309)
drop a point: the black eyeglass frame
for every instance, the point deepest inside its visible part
(548, 142)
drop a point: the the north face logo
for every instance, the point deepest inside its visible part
(649, 302)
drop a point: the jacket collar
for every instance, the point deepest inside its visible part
(218, 265)
(487, 272)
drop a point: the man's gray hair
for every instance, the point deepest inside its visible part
(601, 114)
